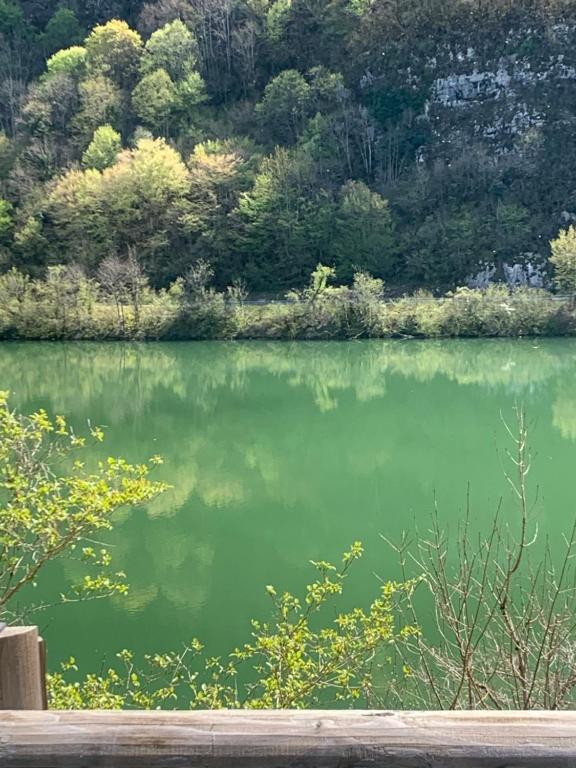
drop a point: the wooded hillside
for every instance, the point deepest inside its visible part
(419, 141)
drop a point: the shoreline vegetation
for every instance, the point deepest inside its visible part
(121, 305)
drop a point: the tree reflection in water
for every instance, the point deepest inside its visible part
(282, 452)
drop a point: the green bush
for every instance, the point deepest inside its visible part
(68, 305)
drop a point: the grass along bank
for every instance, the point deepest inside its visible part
(121, 304)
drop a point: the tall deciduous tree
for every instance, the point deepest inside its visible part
(172, 48)
(115, 51)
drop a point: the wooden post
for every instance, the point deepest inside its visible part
(21, 683)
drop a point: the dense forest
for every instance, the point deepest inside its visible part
(423, 142)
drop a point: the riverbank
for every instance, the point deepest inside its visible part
(339, 313)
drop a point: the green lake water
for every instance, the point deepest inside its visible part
(279, 453)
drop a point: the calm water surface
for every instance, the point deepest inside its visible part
(280, 453)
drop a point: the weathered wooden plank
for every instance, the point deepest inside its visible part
(323, 739)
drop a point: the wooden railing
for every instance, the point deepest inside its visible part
(32, 738)
(265, 739)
